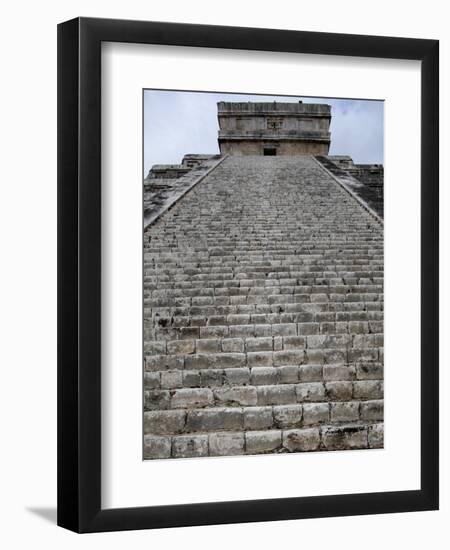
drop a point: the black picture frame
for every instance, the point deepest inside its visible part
(79, 274)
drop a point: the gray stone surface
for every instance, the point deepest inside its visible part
(263, 314)
(157, 447)
(366, 180)
(287, 416)
(262, 442)
(273, 128)
(301, 440)
(226, 444)
(189, 446)
(345, 437)
(258, 418)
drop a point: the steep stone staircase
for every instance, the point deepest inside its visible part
(263, 315)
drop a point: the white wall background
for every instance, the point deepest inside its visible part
(28, 254)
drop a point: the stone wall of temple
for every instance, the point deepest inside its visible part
(275, 147)
(280, 128)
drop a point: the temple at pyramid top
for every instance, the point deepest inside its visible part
(274, 128)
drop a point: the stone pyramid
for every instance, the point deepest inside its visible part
(263, 306)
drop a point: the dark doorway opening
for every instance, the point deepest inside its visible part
(270, 152)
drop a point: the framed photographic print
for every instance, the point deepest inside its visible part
(248, 275)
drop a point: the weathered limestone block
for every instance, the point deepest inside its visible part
(376, 327)
(284, 329)
(315, 413)
(213, 360)
(226, 444)
(157, 447)
(368, 341)
(339, 391)
(260, 359)
(242, 331)
(209, 345)
(372, 410)
(276, 395)
(362, 355)
(191, 378)
(329, 341)
(262, 442)
(190, 446)
(301, 440)
(259, 344)
(277, 343)
(214, 419)
(171, 379)
(192, 398)
(319, 298)
(376, 436)
(311, 391)
(294, 342)
(238, 319)
(180, 347)
(344, 412)
(164, 362)
(368, 389)
(237, 395)
(338, 373)
(155, 347)
(358, 327)
(288, 357)
(213, 331)
(344, 437)
(288, 374)
(233, 345)
(164, 422)
(264, 375)
(189, 333)
(335, 356)
(156, 399)
(369, 371)
(152, 380)
(237, 376)
(258, 418)
(314, 357)
(305, 329)
(263, 331)
(211, 377)
(311, 373)
(287, 416)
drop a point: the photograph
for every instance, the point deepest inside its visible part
(263, 263)
(229, 333)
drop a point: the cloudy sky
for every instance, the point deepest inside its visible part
(177, 123)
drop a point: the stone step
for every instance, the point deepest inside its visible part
(311, 356)
(212, 331)
(292, 284)
(219, 272)
(255, 417)
(283, 337)
(240, 339)
(259, 305)
(325, 322)
(263, 316)
(324, 438)
(172, 379)
(215, 327)
(205, 295)
(264, 394)
(336, 263)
